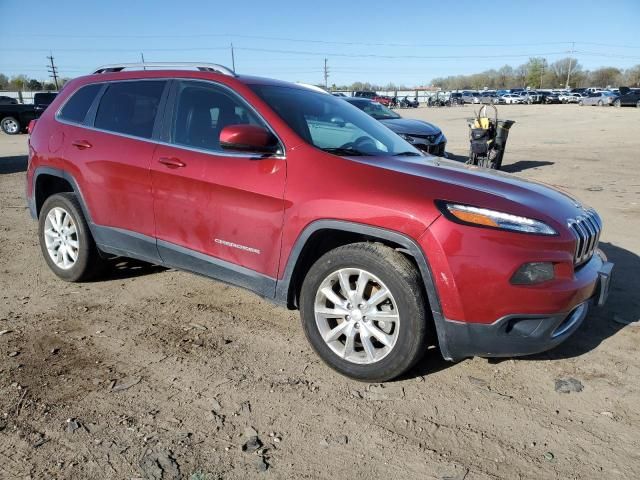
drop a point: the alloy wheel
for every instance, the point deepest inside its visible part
(10, 126)
(357, 316)
(61, 238)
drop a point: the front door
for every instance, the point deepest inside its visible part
(216, 212)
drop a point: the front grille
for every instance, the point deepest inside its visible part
(431, 138)
(586, 228)
(437, 150)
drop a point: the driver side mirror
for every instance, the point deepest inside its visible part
(248, 138)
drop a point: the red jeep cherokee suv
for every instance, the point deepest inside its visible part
(309, 202)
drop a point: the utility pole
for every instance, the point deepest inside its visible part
(573, 49)
(53, 70)
(142, 58)
(233, 59)
(326, 73)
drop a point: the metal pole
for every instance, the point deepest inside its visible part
(326, 73)
(233, 59)
(573, 47)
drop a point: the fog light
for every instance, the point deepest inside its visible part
(532, 273)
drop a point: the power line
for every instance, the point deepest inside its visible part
(323, 42)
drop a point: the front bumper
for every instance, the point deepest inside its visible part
(518, 335)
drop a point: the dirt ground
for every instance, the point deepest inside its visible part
(154, 373)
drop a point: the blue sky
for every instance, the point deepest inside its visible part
(407, 42)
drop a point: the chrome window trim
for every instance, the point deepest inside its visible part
(255, 156)
(103, 83)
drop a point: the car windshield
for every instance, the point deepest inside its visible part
(376, 110)
(331, 124)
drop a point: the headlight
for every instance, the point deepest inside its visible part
(483, 217)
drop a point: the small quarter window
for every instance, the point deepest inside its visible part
(76, 108)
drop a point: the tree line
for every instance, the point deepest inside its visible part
(539, 73)
(24, 83)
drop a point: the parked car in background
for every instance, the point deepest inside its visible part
(601, 99)
(4, 100)
(510, 98)
(455, 98)
(533, 96)
(470, 97)
(629, 97)
(14, 117)
(373, 96)
(550, 97)
(564, 97)
(488, 98)
(422, 135)
(307, 201)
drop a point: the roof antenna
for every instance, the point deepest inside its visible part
(142, 57)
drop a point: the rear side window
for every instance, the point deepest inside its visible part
(76, 108)
(130, 107)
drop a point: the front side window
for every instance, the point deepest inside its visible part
(130, 107)
(203, 110)
(331, 124)
(76, 108)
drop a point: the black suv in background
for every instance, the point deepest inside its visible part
(15, 117)
(629, 97)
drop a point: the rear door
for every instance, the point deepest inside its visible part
(215, 211)
(113, 158)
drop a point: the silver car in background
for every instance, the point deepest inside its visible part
(601, 99)
(508, 98)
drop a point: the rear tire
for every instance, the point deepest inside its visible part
(66, 241)
(600, 104)
(370, 336)
(638, 104)
(10, 125)
(617, 103)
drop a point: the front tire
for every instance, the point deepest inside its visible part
(364, 312)
(600, 104)
(617, 103)
(65, 239)
(10, 125)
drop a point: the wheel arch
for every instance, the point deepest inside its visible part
(323, 235)
(48, 181)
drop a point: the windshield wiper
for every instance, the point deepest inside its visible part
(344, 151)
(407, 154)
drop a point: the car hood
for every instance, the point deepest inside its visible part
(458, 182)
(409, 126)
